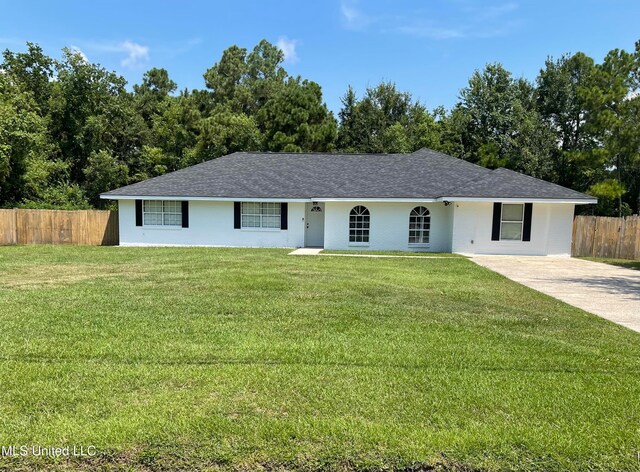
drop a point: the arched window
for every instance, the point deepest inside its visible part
(359, 225)
(419, 225)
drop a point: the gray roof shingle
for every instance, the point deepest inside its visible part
(505, 183)
(422, 174)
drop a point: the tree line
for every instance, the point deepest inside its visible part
(70, 129)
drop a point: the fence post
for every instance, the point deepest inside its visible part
(15, 226)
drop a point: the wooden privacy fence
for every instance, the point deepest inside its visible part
(600, 236)
(93, 227)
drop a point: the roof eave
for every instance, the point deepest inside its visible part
(212, 199)
(575, 201)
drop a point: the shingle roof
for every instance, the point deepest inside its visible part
(505, 183)
(422, 174)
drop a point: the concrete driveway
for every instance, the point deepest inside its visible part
(602, 289)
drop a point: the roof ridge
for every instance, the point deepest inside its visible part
(452, 157)
(326, 153)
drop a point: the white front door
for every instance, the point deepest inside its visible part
(314, 225)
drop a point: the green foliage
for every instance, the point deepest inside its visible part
(62, 196)
(153, 93)
(222, 133)
(70, 129)
(561, 104)
(595, 112)
(22, 140)
(295, 119)
(385, 120)
(31, 72)
(609, 192)
(103, 172)
(499, 125)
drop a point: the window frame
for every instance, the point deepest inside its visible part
(169, 208)
(273, 213)
(521, 221)
(361, 223)
(423, 216)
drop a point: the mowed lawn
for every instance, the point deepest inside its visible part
(626, 263)
(244, 358)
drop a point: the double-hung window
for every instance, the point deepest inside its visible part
(511, 221)
(260, 215)
(162, 213)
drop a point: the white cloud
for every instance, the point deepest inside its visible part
(497, 10)
(451, 20)
(352, 16)
(430, 31)
(137, 54)
(288, 48)
(78, 51)
(12, 41)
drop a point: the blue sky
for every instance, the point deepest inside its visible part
(428, 47)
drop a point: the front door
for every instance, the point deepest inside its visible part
(314, 225)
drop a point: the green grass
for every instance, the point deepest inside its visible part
(237, 359)
(626, 263)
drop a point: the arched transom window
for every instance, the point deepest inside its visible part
(419, 225)
(359, 225)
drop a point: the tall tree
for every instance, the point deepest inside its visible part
(563, 106)
(385, 120)
(613, 104)
(91, 111)
(501, 125)
(295, 119)
(223, 133)
(31, 72)
(153, 93)
(22, 140)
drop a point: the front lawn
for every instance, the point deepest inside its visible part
(236, 359)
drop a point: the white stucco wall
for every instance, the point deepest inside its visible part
(389, 226)
(551, 228)
(210, 224)
(463, 227)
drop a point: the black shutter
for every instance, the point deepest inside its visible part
(185, 214)
(138, 212)
(526, 226)
(237, 209)
(497, 215)
(284, 215)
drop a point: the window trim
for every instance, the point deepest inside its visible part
(162, 214)
(261, 228)
(368, 229)
(428, 231)
(521, 221)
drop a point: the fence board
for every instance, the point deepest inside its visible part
(599, 236)
(7, 227)
(92, 227)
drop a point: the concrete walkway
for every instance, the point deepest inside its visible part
(602, 289)
(312, 251)
(306, 251)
